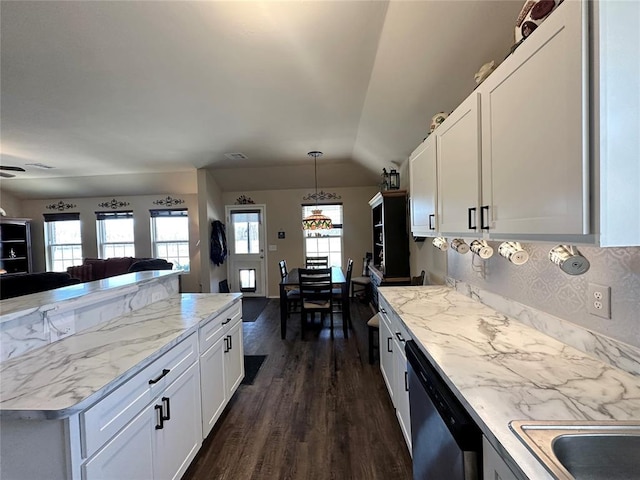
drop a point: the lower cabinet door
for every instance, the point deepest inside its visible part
(212, 383)
(401, 394)
(179, 417)
(234, 359)
(386, 356)
(128, 455)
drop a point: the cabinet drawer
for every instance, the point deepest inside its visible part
(104, 419)
(211, 332)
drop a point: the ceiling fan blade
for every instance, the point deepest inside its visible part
(13, 169)
(6, 175)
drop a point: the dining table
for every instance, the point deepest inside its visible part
(291, 281)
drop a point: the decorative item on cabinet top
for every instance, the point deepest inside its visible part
(484, 72)
(390, 180)
(533, 13)
(436, 120)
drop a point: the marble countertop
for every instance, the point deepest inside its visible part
(65, 377)
(504, 370)
(70, 296)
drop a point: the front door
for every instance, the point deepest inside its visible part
(246, 249)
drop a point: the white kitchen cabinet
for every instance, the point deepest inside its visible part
(494, 467)
(547, 147)
(127, 455)
(214, 391)
(423, 188)
(160, 442)
(393, 365)
(401, 394)
(178, 431)
(385, 340)
(458, 164)
(234, 356)
(535, 162)
(166, 434)
(221, 363)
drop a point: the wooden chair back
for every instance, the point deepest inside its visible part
(282, 264)
(315, 288)
(317, 262)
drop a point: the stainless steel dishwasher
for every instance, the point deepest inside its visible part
(446, 442)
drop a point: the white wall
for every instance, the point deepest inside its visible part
(140, 205)
(211, 208)
(283, 212)
(11, 204)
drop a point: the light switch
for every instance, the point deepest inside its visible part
(273, 248)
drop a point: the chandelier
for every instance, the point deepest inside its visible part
(316, 221)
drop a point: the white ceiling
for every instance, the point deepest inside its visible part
(102, 88)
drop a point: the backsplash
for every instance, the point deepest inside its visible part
(542, 285)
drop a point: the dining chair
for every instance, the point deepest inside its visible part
(317, 262)
(373, 326)
(363, 282)
(293, 294)
(316, 294)
(418, 279)
(338, 296)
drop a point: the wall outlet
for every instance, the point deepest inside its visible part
(599, 300)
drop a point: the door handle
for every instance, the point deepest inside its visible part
(230, 342)
(406, 381)
(165, 371)
(388, 345)
(160, 424)
(226, 344)
(400, 337)
(431, 224)
(483, 225)
(165, 402)
(471, 212)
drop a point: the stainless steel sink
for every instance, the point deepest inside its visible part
(583, 450)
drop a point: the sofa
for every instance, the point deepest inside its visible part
(98, 268)
(18, 284)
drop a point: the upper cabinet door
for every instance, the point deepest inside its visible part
(458, 160)
(534, 132)
(422, 181)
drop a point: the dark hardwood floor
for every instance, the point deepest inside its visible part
(316, 410)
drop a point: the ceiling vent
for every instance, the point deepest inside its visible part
(236, 156)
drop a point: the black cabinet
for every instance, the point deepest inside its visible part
(390, 240)
(15, 245)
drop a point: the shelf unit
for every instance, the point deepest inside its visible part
(15, 245)
(390, 236)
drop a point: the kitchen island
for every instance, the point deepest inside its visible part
(503, 370)
(123, 395)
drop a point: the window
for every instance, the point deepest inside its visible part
(115, 234)
(246, 232)
(325, 242)
(170, 236)
(63, 241)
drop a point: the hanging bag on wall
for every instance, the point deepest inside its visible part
(218, 243)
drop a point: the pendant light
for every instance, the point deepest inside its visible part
(316, 221)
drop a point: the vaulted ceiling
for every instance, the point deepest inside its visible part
(98, 89)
